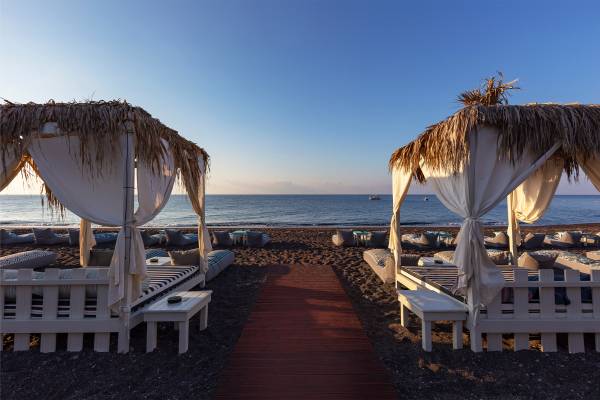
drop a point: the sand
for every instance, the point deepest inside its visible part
(444, 373)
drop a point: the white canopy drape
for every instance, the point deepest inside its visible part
(484, 181)
(98, 198)
(9, 168)
(401, 180)
(530, 200)
(591, 167)
(197, 199)
(532, 197)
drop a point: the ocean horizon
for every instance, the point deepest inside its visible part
(305, 210)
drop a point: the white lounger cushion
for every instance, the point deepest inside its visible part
(381, 262)
(28, 259)
(218, 260)
(8, 237)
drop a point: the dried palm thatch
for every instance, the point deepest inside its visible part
(98, 125)
(493, 91)
(531, 127)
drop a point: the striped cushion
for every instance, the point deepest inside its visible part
(28, 259)
(151, 253)
(105, 237)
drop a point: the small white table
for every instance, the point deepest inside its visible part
(180, 313)
(431, 306)
(161, 261)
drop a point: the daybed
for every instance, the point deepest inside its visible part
(484, 153)
(92, 157)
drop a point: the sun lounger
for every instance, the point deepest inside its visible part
(8, 238)
(593, 255)
(381, 262)
(218, 261)
(105, 237)
(423, 241)
(499, 241)
(153, 253)
(177, 238)
(499, 257)
(564, 240)
(532, 241)
(45, 236)
(152, 240)
(28, 259)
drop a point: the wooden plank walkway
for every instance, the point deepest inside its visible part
(303, 341)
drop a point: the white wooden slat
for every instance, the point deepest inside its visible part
(2, 282)
(595, 277)
(521, 307)
(547, 308)
(494, 311)
(102, 339)
(23, 308)
(50, 310)
(576, 344)
(77, 306)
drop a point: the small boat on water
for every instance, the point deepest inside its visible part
(426, 198)
(374, 197)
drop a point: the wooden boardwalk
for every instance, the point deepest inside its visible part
(303, 341)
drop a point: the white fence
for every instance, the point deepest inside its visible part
(535, 308)
(51, 304)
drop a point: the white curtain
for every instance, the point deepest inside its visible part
(197, 195)
(98, 198)
(154, 189)
(591, 167)
(9, 168)
(401, 180)
(86, 241)
(484, 181)
(532, 197)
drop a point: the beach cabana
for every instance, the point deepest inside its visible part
(92, 158)
(489, 151)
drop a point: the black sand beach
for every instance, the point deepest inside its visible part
(443, 373)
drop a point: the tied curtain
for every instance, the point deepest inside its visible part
(401, 180)
(98, 197)
(482, 183)
(196, 194)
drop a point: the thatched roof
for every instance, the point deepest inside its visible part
(98, 125)
(533, 127)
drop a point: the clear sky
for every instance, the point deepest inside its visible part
(297, 96)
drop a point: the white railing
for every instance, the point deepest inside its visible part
(52, 304)
(527, 313)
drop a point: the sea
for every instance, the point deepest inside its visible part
(304, 210)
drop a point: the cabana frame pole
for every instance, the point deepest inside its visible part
(128, 217)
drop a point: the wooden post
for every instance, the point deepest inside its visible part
(128, 209)
(513, 232)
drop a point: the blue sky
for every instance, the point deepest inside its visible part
(297, 96)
